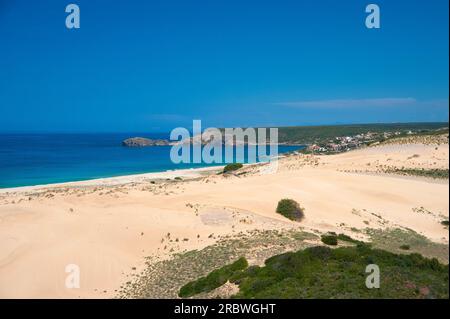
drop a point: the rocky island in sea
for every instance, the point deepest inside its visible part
(144, 142)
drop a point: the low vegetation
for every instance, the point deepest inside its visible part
(332, 239)
(313, 274)
(348, 239)
(214, 279)
(232, 167)
(184, 267)
(392, 239)
(289, 208)
(432, 173)
(329, 239)
(321, 272)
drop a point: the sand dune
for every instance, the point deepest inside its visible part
(108, 226)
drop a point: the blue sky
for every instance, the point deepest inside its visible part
(153, 65)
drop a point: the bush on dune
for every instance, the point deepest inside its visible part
(329, 239)
(289, 208)
(232, 167)
(348, 239)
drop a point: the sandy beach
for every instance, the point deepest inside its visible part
(108, 226)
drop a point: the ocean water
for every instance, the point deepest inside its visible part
(36, 159)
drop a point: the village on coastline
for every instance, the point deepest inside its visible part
(323, 143)
(341, 144)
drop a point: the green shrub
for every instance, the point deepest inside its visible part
(404, 247)
(329, 240)
(347, 238)
(289, 208)
(444, 222)
(232, 167)
(322, 272)
(214, 279)
(433, 172)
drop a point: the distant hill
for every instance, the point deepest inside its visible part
(313, 134)
(301, 135)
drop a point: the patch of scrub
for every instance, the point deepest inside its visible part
(322, 272)
(164, 278)
(393, 239)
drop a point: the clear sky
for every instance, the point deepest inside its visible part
(140, 65)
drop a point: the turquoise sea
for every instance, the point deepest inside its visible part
(36, 159)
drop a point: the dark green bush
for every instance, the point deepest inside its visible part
(347, 238)
(232, 167)
(404, 247)
(214, 279)
(289, 208)
(322, 272)
(444, 222)
(329, 240)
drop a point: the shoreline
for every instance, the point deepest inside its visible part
(121, 179)
(131, 177)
